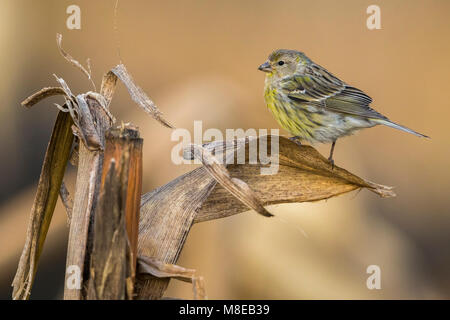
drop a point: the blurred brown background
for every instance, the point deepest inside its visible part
(198, 61)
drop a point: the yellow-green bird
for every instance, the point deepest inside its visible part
(313, 104)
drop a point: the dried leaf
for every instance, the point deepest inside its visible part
(86, 125)
(159, 269)
(108, 87)
(50, 180)
(74, 62)
(74, 155)
(238, 188)
(221, 150)
(102, 102)
(304, 175)
(71, 103)
(67, 201)
(84, 111)
(42, 94)
(168, 212)
(199, 288)
(166, 217)
(138, 95)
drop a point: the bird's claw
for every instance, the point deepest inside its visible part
(296, 140)
(331, 162)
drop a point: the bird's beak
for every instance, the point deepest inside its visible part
(265, 67)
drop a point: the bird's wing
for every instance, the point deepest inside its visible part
(319, 87)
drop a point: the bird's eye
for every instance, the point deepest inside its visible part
(280, 63)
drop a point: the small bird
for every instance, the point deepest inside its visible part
(313, 104)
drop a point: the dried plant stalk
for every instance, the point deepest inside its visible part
(52, 173)
(108, 265)
(129, 140)
(112, 270)
(85, 197)
(90, 118)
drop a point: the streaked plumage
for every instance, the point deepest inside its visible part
(314, 105)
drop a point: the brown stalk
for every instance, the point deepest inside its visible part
(90, 161)
(113, 258)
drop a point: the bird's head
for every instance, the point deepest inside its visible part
(283, 62)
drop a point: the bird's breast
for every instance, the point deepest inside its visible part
(309, 122)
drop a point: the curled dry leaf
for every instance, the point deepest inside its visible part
(138, 95)
(108, 87)
(86, 110)
(42, 94)
(86, 125)
(102, 102)
(168, 212)
(159, 269)
(74, 62)
(238, 188)
(303, 175)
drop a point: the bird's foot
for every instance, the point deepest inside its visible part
(296, 139)
(331, 162)
(330, 158)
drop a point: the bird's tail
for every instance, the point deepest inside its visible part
(399, 127)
